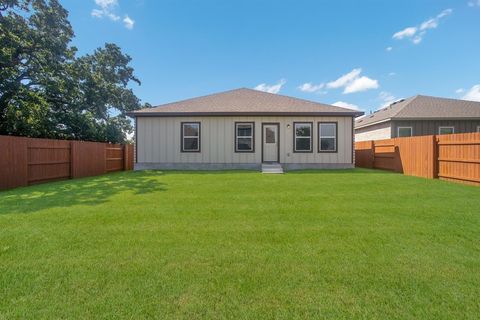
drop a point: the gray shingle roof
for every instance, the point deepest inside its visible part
(423, 108)
(244, 102)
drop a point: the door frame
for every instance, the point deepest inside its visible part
(278, 139)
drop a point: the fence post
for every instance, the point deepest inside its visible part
(125, 157)
(372, 154)
(397, 159)
(435, 164)
(72, 153)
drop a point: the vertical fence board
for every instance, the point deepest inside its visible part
(47, 160)
(459, 157)
(114, 157)
(88, 159)
(453, 157)
(364, 153)
(25, 161)
(13, 162)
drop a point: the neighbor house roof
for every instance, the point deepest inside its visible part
(423, 108)
(244, 102)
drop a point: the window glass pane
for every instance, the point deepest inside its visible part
(327, 144)
(302, 144)
(404, 132)
(446, 130)
(244, 130)
(269, 135)
(328, 129)
(244, 144)
(302, 130)
(190, 129)
(190, 143)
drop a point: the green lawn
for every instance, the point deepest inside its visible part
(241, 245)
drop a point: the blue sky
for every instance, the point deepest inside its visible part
(362, 53)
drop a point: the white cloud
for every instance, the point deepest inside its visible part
(461, 90)
(418, 39)
(416, 34)
(445, 13)
(386, 98)
(473, 94)
(128, 22)
(274, 88)
(310, 87)
(361, 84)
(405, 33)
(391, 74)
(106, 3)
(389, 49)
(353, 82)
(346, 105)
(429, 24)
(345, 79)
(107, 8)
(474, 3)
(97, 13)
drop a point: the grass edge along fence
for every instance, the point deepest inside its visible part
(26, 161)
(452, 157)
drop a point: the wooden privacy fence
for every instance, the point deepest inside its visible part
(26, 161)
(454, 157)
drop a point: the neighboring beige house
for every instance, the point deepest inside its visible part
(419, 116)
(243, 129)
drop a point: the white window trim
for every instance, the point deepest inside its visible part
(195, 137)
(478, 129)
(320, 137)
(252, 126)
(302, 137)
(447, 127)
(398, 131)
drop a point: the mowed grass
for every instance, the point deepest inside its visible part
(241, 245)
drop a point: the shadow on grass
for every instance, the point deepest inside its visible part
(85, 191)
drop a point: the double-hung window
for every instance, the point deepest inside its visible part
(244, 137)
(327, 137)
(446, 130)
(190, 136)
(302, 137)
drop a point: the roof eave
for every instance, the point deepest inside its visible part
(435, 118)
(415, 119)
(372, 123)
(199, 114)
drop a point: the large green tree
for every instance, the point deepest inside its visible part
(46, 90)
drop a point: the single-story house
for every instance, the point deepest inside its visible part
(419, 116)
(242, 129)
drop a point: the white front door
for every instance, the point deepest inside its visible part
(270, 142)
